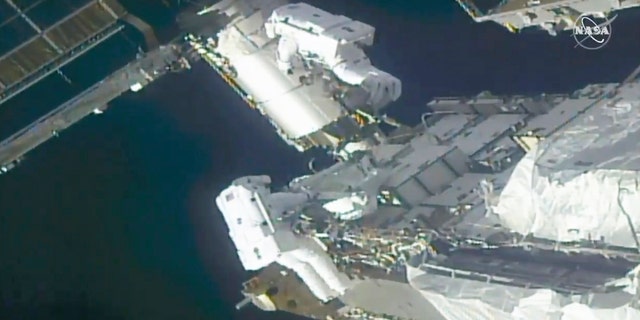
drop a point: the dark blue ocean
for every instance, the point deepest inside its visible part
(115, 219)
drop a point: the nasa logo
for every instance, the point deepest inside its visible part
(590, 32)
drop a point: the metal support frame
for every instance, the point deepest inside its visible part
(156, 63)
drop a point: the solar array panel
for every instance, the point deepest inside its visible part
(40, 36)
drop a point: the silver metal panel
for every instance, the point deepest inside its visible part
(450, 125)
(461, 191)
(436, 176)
(458, 161)
(557, 14)
(447, 104)
(475, 138)
(536, 105)
(487, 105)
(544, 10)
(498, 150)
(412, 192)
(560, 115)
(422, 153)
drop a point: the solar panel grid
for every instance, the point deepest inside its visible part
(42, 35)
